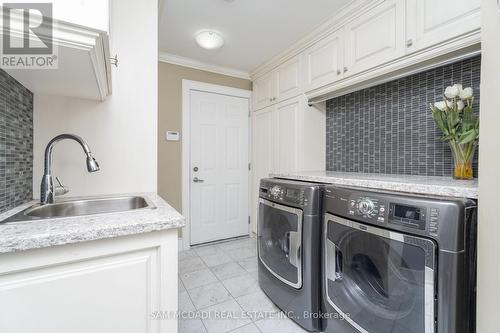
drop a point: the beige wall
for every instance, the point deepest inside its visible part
(489, 179)
(169, 118)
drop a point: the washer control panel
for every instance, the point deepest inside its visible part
(284, 194)
(368, 208)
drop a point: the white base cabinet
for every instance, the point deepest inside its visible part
(111, 285)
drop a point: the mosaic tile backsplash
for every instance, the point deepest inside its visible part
(16, 143)
(389, 128)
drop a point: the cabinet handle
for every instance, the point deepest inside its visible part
(345, 69)
(339, 72)
(409, 42)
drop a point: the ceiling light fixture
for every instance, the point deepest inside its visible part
(209, 39)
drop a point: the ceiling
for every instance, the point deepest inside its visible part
(254, 30)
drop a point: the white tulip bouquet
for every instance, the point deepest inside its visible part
(455, 118)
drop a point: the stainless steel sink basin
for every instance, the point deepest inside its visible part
(81, 207)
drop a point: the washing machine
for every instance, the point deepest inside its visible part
(289, 244)
(395, 263)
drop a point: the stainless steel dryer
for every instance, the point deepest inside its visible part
(288, 241)
(398, 263)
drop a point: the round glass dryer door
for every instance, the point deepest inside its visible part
(279, 241)
(381, 281)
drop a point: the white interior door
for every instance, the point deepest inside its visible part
(218, 166)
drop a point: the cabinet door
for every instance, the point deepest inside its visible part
(263, 91)
(287, 78)
(286, 135)
(324, 61)
(375, 37)
(262, 148)
(87, 13)
(432, 22)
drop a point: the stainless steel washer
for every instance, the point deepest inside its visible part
(397, 263)
(288, 241)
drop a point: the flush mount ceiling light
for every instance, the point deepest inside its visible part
(209, 39)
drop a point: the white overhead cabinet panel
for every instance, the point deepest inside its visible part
(81, 45)
(263, 91)
(262, 151)
(286, 136)
(325, 61)
(376, 37)
(288, 79)
(87, 13)
(432, 22)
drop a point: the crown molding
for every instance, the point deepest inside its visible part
(196, 64)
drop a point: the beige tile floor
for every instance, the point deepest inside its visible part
(220, 279)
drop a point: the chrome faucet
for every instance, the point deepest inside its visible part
(48, 190)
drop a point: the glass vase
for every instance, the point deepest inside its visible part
(463, 154)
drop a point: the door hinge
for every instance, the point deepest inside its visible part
(248, 219)
(249, 166)
(249, 113)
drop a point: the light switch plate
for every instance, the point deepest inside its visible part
(172, 136)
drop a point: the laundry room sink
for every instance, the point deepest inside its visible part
(81, 207)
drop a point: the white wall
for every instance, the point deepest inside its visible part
(489, 176)
(120, 131)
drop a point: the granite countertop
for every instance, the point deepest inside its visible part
(20, 236)
(439, 186)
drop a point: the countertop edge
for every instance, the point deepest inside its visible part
(407, 186)
(94, 227)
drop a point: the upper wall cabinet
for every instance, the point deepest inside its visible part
(431, 22)
(263, 91)
(80, 40)
(324, 61)
(288, 79)
(375, 37)
(86, 13)
(278, 85)
(370, 42)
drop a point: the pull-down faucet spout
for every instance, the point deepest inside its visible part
(48, 191)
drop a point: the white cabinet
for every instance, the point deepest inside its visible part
(433, 22)
(278, 85)
(82, 55)
(263, 91)
(324, 61)
(262, 152)
(87, 13)
(376, 37)
(288, 80)
(109, 285)
(286, 135)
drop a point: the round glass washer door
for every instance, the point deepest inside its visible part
(384, 281)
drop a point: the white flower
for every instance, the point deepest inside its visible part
(453, 91)
(440, 105)
(466, 93)
(460, 105)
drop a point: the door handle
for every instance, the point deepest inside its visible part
(198, 180)
(334, 261)
(294, 248)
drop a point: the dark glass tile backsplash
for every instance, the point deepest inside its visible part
(389, 128)
(16, 143)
